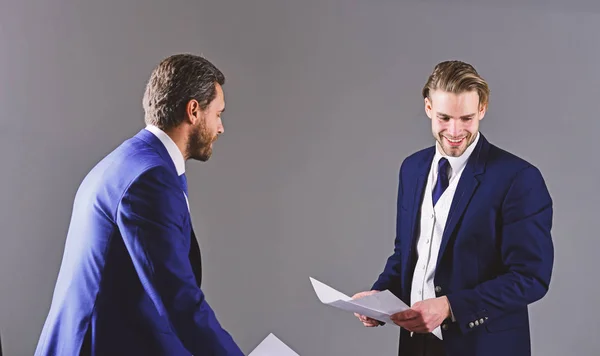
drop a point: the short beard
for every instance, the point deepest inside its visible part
(469, 140)
(199, 144)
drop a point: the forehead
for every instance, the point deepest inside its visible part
(451, 103)
(218, 102)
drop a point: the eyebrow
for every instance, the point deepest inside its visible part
(469, 116)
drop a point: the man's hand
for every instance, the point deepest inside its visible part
(424, 316)
(368, 322)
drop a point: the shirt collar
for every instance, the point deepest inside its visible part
(456, 163)
(171, 147)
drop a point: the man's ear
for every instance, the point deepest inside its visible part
(428, 109)
(193, 111)
(482, 111)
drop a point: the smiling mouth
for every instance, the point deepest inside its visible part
(455, 142)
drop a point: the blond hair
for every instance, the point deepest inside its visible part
(457, 77)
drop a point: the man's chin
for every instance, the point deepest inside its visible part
(203, 156)
(454, 151)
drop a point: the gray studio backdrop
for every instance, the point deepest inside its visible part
(323, 103)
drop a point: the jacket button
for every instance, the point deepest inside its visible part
(444, 326)
(471, 325)
(438, 289)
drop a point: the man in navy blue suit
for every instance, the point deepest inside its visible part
(473, 243)
(129, 283)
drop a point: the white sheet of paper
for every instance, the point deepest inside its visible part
(272, 346)
(379, 306)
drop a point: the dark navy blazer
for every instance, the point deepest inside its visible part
(496, 254)
(129, 283)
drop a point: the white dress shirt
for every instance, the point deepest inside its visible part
(433, 221)
(173, 150)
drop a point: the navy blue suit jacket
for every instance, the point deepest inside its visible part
(496, 254)
(129, 283)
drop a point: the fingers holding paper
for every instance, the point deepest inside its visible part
(368, 322)
(424, 316)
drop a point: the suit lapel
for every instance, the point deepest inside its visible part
(422, 173)
(467, 185)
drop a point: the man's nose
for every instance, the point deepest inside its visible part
(453, 128)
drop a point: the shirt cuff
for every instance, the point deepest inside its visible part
(451, 312)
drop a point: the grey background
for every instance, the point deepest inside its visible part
(323, 103)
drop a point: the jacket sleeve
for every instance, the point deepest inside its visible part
(527, 254)
(390, 277)
(150, 217)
